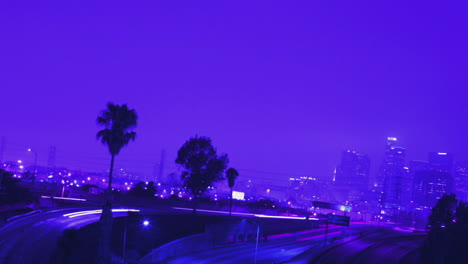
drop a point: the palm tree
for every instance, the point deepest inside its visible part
(231, 175)
(117, 121)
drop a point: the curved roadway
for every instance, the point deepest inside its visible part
(386, 247)
(33, 238)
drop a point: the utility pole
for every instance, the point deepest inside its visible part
(125, 239)
(161, 166)
(2, 147)
(51, 158)
(256, 243)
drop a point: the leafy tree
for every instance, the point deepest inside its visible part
(10, 190)
(443, 213)
(202, 166)
(231, 175)
(117, 121)
(68, 247)
(446, 241)
(142, 189)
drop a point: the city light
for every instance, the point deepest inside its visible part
(238, 195)
(146, 223)
(89, 212)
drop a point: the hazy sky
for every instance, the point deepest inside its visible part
(280, 87)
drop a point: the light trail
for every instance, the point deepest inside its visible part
(63, 198)
(89, 212)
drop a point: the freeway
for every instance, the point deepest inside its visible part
(380, 242)
(389, 246)
(33, 238)
(277, 249)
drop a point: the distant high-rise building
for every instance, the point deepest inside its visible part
(393, 173)
(441, 161)
(303, 189)
(414, 167)
(156, 172)
(460, 177)
(418, 165)
(429, 186)
(352, 176)
(51, 158)
(433, 179)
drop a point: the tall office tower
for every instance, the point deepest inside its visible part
(393, 173)
(414, 167)
(441, 161)
(303, 189)
(460, 177)
(429, 186)
(352, 176)
(51, 158)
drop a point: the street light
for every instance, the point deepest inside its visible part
(258, 236)
(35, 162)
(145, 223)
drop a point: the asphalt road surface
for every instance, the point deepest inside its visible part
(381, 242)
(277, 249)
(388, 246)
(33, 238)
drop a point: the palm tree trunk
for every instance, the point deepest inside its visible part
(195, 204)
(104, 254)
(230, 204)
(109, 186)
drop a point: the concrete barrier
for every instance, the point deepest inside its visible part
(215, 235)
(176, 248)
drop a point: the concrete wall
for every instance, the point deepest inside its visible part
(233, 230)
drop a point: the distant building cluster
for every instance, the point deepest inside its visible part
(400, 190)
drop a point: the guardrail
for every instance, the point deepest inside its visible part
(185, 245)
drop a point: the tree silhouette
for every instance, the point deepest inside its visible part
(202, 166)
(231, 175)
(446, 241)
(117, 121)
(11, 191)
(142, 189)
(444, 212)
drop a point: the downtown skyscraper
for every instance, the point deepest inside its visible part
(352, 176)
(460, 178)
(393, 172)
(433, 180)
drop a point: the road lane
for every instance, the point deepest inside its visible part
(275, 250)
(33, 238)
(388, 246)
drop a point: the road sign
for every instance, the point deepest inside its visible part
(338, 220)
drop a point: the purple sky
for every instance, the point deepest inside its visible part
(279, 87)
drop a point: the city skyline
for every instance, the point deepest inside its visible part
(374, 165)
(270, 95)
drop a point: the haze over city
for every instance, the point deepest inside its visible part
(233, 132)
(280, 88)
